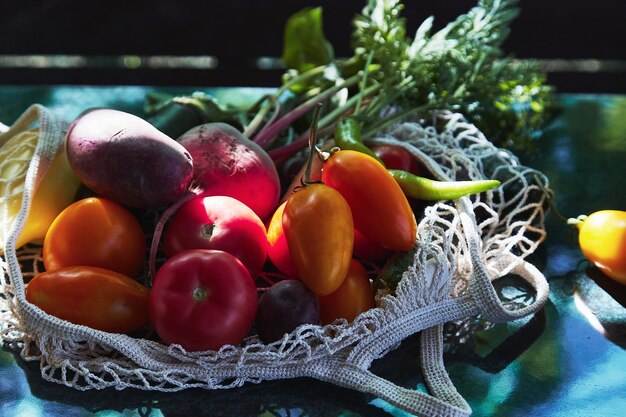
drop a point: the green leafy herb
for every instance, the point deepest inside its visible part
(305, 45)
(460, 67)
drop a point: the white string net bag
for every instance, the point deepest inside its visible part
(462, 246)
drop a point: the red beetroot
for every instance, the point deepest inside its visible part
(225, 162)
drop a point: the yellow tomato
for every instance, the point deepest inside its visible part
(602, 239)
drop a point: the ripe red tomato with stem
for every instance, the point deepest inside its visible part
(221, 223)
(379, 207)
(353, 297)
(203, 299)
(95, 232)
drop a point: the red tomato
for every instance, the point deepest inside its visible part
(220, 223)
(203, 299)
(380, 209)
(95, 232)
(278, 250)
(320, 235)
(396, 157)
(368, 251)
(354, 296)
(94, 297)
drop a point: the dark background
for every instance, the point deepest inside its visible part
(237, 32)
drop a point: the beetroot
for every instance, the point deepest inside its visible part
(225, 162)
(124, 158)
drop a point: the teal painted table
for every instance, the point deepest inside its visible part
(568, 360)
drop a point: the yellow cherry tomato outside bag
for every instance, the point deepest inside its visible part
(602, 240)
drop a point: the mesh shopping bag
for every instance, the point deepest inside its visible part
(462, 246)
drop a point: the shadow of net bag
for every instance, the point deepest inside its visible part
(462, 246)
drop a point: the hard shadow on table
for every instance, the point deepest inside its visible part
(303, 396)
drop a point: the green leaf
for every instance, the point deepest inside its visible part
(305, 45)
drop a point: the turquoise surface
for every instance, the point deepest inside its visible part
(568, 360)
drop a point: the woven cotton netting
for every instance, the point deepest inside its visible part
(488, 234)
(509, 219)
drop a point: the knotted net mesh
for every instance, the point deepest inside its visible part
(487, 235)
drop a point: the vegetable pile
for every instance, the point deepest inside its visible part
(242, 244)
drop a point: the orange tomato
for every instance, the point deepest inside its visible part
(602, 239)
(94, 297)
(277, 250)
(353, 297)
(319, 229)
(380, 209)
(95, 232)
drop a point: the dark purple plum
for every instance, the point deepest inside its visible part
(283, 307)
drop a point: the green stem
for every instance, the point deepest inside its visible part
(384, 100)
(313, 151)
(388, 121)
(575, 222)
(278, 155)
(352, 103)
(255, 123)
(268, 134)
(305, 76)
(370, 56)
(426, 189)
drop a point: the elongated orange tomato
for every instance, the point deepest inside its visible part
(318, 225)
(380, 209)
(94, 297)
(602, 239)
(354, 296)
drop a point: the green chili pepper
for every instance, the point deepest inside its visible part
(348, 136)
(426, 189)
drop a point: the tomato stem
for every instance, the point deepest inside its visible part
(575, 222)
(200, 294)
(313, 149)
(578, 221)
(207, 230)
